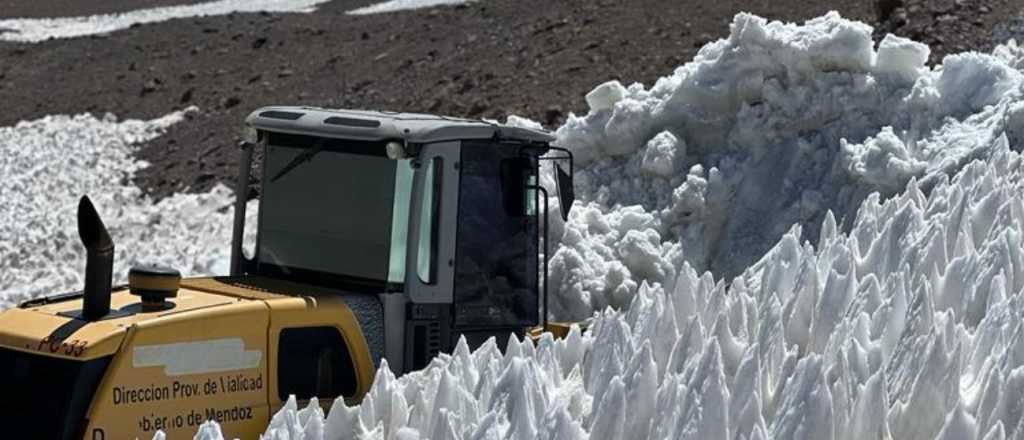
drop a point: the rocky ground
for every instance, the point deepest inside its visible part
(535, 58)
(948, 26)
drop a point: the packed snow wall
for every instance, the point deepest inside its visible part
(887, 305)
(773, 126)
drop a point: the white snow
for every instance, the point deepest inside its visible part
(870, 207)
(605, 96)
(34, 30)
(47, 164)
(906, 328)
(770, 127)
(401, 5)
(901, 56)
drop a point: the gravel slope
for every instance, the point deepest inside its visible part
(486, 59)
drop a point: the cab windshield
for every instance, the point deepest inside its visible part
(332, 211)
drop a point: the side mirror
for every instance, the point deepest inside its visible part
(566, 193)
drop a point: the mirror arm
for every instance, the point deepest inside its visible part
(567, 155)
(540, 190)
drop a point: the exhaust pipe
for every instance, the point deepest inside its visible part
(99, 265)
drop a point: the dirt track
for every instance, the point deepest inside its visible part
(486, 59)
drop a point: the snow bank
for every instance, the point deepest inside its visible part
(34, 30)
(400, 5)
(47, 164)
(770, 127)
(897, 319)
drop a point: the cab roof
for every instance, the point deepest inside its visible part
(386, 126)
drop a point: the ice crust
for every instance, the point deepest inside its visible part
(47, 164)
(887, 304)
(34, 30)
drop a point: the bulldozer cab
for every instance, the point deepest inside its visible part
(441, 219)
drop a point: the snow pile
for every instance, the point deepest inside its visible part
(901, 322)
(400, 5)
(34, 30)
(770, 127)
(908, 328)
(47, 164)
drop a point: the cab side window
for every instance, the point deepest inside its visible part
(314, 362)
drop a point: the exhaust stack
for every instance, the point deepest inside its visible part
(99, 265)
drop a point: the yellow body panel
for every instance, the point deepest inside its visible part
(212, 356)
(559, 330)
(58, 336)
(160, 381)
(43, 329)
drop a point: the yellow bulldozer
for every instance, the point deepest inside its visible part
(379, 236)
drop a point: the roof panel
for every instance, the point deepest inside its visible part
(380, 125)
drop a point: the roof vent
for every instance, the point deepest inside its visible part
(154, 284)
(278, 114)
(352, 122)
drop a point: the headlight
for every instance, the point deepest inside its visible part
(396, 151)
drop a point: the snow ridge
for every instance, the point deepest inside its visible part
(898, 318)
(401, 5)
(34, 30)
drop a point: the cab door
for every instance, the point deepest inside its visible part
(316, 350)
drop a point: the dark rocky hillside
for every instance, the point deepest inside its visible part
(491, 58)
